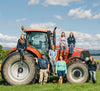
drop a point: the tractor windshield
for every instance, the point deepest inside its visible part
(38, 40)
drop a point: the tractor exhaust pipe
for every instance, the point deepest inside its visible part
(54, 36)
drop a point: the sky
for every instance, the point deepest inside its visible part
(82, 17)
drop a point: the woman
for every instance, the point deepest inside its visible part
(71, 42)
(52, 56)
(61, 69)
(92, 66)
(62, 42)
(22, 45)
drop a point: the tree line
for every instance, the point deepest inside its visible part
(3, 52)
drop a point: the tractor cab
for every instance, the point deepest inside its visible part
(40, 39)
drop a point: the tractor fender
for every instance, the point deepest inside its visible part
(72, 58)
(29, 49)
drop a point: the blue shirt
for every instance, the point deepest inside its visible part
(43, 63)
(91, 67)
(52, 53)
(71, 40)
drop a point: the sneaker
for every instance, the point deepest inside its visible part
(23, 58)
(94, 82)
(53, 74)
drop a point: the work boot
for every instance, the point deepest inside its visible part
(40, 83)
(23, 58)
(44, 83)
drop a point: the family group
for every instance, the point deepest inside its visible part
(58, 67)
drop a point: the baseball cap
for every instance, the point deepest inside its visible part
(42, 53)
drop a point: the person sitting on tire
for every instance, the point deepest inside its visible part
(44, 68)
(61, 69)
(92, 66)
(62, 42)
(22, 45)
(52, 56)
(71, 42)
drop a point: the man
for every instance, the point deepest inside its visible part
(44, 68)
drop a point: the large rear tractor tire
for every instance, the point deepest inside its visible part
(15, 72)
(77, 72)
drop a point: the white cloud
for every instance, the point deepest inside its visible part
(58, 17)
(8, 41)
(59, 2)
(96, 4)
(97, 16)
(52, 2)
(80, 13)
(49, 25)
(98, 36)
(23, 19)
(33, 2)
(19, 20)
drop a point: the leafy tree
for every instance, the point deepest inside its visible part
(3, 53)
(1, 48)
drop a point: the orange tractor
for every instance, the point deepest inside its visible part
(38, 41)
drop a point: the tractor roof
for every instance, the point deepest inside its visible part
(35, 30)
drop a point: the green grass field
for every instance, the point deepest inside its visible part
(55, 86)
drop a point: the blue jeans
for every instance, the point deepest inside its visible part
(61, 47)
(53, 64)
(71, 48)
(21, 51)
(93, 75)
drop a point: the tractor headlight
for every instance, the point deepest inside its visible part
(87, 58)
(85, 55)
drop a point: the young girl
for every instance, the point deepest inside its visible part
(61, 69)
(52, 56)
(22, 45)
(71, 42)
(62, 42)
(92, 66)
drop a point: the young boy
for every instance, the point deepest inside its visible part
(44, 68)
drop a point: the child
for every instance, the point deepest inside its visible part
(62, 42)
(71, 42)
(61, 69)
(52, 56)
(92, 66)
